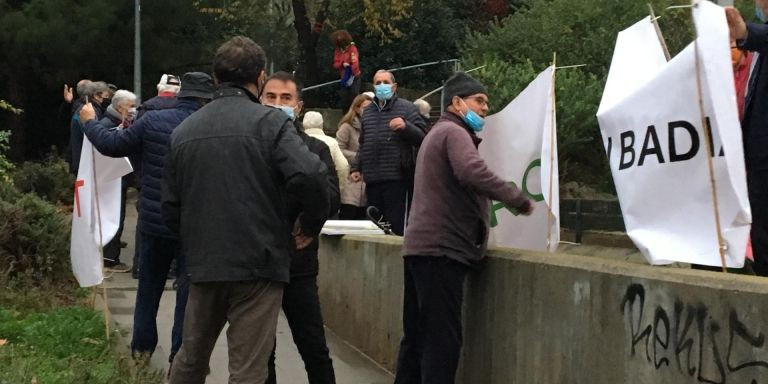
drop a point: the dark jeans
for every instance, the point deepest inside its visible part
(250, 308)
(112, 249)
(351, 212)
(429, 351)
(757, 184)
(347, 94)
(156, 256)
(392, 198)
(301, 305)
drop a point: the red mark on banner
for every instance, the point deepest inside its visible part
(78, 184)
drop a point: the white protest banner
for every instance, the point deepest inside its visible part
(652, 126)
(520, 145)
(96, 212)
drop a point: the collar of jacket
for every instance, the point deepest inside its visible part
(314, 131)
(456, 119)
(187, 103)
(114, 115)
(236, 90)
(356, 123)
(387, 103)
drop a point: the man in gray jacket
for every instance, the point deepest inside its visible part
(447, 233)
(229, 170)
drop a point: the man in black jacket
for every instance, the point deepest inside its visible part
(754, 37)
(301, 303)
(392, 130)
(227, 175)
(148, 140)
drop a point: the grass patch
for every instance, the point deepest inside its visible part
(64, 345)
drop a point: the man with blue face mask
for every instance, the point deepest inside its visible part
(754, 125)
(301, 302)
(391, 131)
(447, 233)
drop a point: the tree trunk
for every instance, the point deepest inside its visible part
(308, 38)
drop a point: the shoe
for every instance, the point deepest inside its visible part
(134, 272)
(118, 268)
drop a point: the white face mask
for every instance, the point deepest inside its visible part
(288, 110)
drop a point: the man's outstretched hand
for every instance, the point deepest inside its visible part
(736, 24)
(68, 96)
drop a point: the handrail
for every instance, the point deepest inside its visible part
(455, 61)
(441, 88)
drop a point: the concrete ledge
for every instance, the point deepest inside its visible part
(562, 318)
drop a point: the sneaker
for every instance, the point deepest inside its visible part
(118, 268)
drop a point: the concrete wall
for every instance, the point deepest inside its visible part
(562, 318)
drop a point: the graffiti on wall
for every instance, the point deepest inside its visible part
(687, 338)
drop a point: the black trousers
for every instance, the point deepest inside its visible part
(301, 305)
(429, 350)
(351, 212)
(392, 198)
(757, 184)
(112, 249)
(347, 94)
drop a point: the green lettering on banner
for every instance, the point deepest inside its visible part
(496, 206)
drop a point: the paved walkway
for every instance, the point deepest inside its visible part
(351, 366)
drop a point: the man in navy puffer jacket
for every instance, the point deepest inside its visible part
(150, 137)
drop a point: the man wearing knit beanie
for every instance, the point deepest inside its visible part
(447, 233)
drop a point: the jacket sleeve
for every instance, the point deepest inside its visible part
(115, 142)
(170, 203)
(305, 176)
(757, 38)
(338, 59)
(341, 165)
(342, 137)
(354, 60)
(354, 165)
(334, 194)
(471, 171)
(415, 127)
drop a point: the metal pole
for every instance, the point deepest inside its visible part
(137, 51)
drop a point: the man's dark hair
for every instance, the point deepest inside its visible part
(240, 60)
(287, 77)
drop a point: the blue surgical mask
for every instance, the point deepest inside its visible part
(286, 109)
(760, 14)
(383, 91)
(472, 119)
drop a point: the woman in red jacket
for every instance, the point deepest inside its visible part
(346, 60)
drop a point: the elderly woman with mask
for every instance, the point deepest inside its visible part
(119, 115)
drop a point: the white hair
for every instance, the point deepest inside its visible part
(122, 97)
(423, 106)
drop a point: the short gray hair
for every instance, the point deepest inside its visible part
(121, 97)
(96, 87)
(82, 87)
(391, 75)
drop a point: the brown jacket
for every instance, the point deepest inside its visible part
(348, 137)
(451, 208)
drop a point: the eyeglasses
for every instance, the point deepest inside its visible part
(479, 100)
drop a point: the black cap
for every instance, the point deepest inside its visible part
(196, 84)
(461, 85)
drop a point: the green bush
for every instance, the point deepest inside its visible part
(34, 240)
(49, 180)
